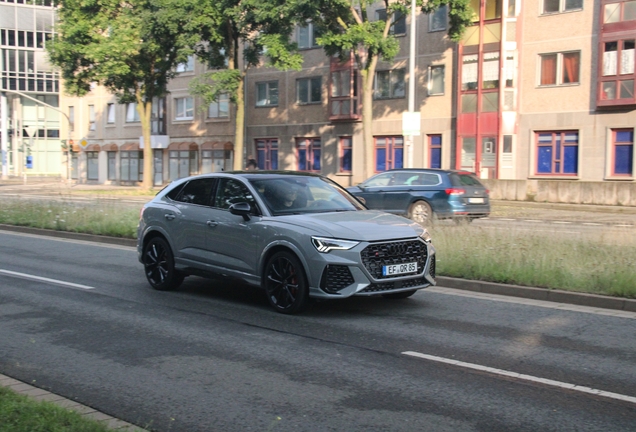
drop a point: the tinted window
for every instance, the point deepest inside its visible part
(197, 192)
(232, 191)
(464, 180)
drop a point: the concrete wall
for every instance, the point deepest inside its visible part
(562, 191)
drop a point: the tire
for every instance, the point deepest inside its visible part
(158, 263)
(421, 212)
(285, 283)
(399, 295)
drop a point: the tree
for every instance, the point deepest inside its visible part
(131, 47)
(347, 29)
(250, 33)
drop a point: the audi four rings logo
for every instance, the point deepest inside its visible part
(397, 249)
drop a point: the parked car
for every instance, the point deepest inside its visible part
(424, 194)
(299, 236)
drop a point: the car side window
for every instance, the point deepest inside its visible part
(232, 191)
(429, 179)
(379, 180)
(197, 191)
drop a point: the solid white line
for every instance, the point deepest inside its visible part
(43, 279)
(592, 223)
(531, 378)
(561, 222)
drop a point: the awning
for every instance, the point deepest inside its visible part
(217, 145)
(130, 146)
(183, 146)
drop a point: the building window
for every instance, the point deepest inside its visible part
(399, 21)
(110, 113)
(91, 117)
(389, 153)
(557, 152)
(556, 6)
(560, 68)
(309, 153)
(267, 154)
(267, 93)
(618, 12)
(389, 84)
(131, 165)
(92, 165)
(309, 90)
(437, 19)
(215, 160)
(188, 66)
(435, 83)
(132, 116)
(617, 81)
(184, 108)
(623, 152)
(183, 163)
(307, 36)
(346, 154)
(71, 118)
(220, 108)
(435, 151)
(112, 165)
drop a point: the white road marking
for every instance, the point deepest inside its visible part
(507, 219)
(624, 226)
(592, 223)
(532, 220)
(561, 222)
(553, 383)
(43, 279)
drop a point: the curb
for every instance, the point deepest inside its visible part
(552, 295)
(71, 235)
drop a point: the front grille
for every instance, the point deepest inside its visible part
(336, 278)
(431, 269)
(394, 285)
(375, 256)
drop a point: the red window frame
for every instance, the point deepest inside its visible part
(345, 143)
(313, 148)
(266, 152)
(616, 144)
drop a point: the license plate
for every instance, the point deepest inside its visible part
(475, 200)
(397, 269)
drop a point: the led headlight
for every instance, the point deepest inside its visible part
(325, 245)
(425, 236)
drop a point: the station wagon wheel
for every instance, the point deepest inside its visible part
(421, 212)
(399, 295)
(285, 283)
(159, 265)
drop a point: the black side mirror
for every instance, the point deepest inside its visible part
(241, 209)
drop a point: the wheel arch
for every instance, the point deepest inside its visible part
(282, 247)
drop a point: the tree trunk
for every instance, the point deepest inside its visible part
(239, 126)
(145, 110)
(368, 75)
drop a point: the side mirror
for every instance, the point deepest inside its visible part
(241, 209)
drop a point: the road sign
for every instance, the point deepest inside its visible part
(411, 124)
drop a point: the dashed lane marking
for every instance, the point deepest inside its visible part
(43, 279)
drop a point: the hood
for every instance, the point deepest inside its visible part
(366, 225)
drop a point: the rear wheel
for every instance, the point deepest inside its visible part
(285, 283)
(421, 212)
(399, 295)
(159, 265)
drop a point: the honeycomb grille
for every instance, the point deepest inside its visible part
(393, 285)
(375, 256)
(431, 269)
(336, 278)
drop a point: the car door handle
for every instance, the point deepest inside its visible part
(211, 223)
(169, 216)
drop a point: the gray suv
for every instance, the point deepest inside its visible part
(298, 236)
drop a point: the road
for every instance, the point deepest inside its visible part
(212, 356)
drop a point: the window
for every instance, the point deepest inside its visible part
(556, 6)
(131, 165)
(198, 192)
(184, 108)
(267, 154)
(71, 118)
(617, 80)
(437, 19)
(91, 117)
(309, 153)
(621, 11)
(220, 108)
(435, 80)
(557, 152)
(469, 72)
(110, 113)
(216, 160)
(307, 36)
(183, 163)
(435, 149)
(92, 165)
(560, 68)
(232, 191)
(399, 21)
(132, 116)
(188, 66)
(309, 90)
(623, 152)
(389, 152)
(267, 93)
(346, 154)
(112, 165)
(389, 84)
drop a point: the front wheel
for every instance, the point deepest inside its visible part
(399, 295)
(285, 283)
(421, 212)
(159, 265)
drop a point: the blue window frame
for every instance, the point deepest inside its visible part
(623, 151)
(558, 153)
(389, 152)
(435, 146)
(309, 153)
(267, 153)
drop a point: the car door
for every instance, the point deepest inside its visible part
(373, 190)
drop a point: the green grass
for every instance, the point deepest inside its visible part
(19, 413)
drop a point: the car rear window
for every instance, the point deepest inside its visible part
(464, 179)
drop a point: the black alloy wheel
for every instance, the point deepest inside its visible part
(285, 283)
(159, 265)
(399, 295)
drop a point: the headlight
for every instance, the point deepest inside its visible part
(425, 236)
(325, 245)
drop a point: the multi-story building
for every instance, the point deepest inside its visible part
(537, 91)
(29, 90)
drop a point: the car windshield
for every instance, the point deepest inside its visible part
(299, 195)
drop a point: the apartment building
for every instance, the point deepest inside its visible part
(536, 90)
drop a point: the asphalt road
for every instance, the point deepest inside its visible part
(214, 357)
